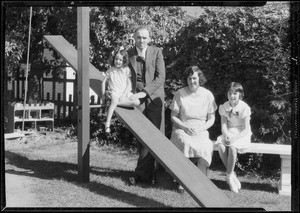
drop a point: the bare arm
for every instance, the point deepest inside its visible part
(127, 89)
(224, 128)
(179, 124)
(103, 89)
(210, 121)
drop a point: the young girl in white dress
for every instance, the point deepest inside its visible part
(119, 85)
(236, 131)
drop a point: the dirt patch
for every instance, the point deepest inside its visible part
(18, 192)
(19, 182)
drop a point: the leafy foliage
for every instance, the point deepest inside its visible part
(15, 36)
(16, 45)
(111, 28)
(248, 45)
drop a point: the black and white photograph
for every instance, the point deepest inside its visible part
(149, 106)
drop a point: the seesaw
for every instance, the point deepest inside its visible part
(199, 186)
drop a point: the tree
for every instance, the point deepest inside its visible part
(110, 27)
(244, 44)
(16, 44)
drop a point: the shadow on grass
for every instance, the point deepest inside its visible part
(246, 186)
(44, 169)
(164, 180)
(68, 171)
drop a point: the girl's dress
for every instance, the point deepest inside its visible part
(235, 124)
(193, 111)
(117, 80)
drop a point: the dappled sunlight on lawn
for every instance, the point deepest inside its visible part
(53, 169)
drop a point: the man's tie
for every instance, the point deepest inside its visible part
(140, 59)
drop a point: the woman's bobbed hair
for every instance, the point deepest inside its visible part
(190, 71)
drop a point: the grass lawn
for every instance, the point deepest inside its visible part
(49, 164)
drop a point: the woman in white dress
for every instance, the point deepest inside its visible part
(236, 131)
(193, 113)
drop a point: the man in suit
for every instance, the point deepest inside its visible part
(148, 77)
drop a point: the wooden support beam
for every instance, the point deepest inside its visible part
(97, 106)
(83, 94)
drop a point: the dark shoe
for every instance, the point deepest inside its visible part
(153, 181)
(132, 181)
(180, 189)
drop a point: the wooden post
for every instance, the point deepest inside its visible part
(64, 94)
(83, 94)
(58, 106)
(75, 90)
(70, 111)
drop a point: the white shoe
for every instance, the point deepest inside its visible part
(237, 182)
(232, 185)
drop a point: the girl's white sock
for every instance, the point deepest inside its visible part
(230, 181)
(229, 176)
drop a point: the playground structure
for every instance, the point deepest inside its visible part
(198, 185)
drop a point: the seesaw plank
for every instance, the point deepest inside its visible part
(200, 187)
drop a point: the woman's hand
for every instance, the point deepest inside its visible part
(229, 140)
(190, 131)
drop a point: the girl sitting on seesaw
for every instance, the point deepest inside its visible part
(236, 131)
(119, 85)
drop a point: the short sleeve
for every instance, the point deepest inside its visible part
(108, 73)
(175, 104)
(128, 72)
(246, 112)
(212, 107)
(222, 110)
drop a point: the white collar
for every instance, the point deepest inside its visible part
(236, 109)
(141, 52)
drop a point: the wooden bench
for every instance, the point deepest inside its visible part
(284, 151)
